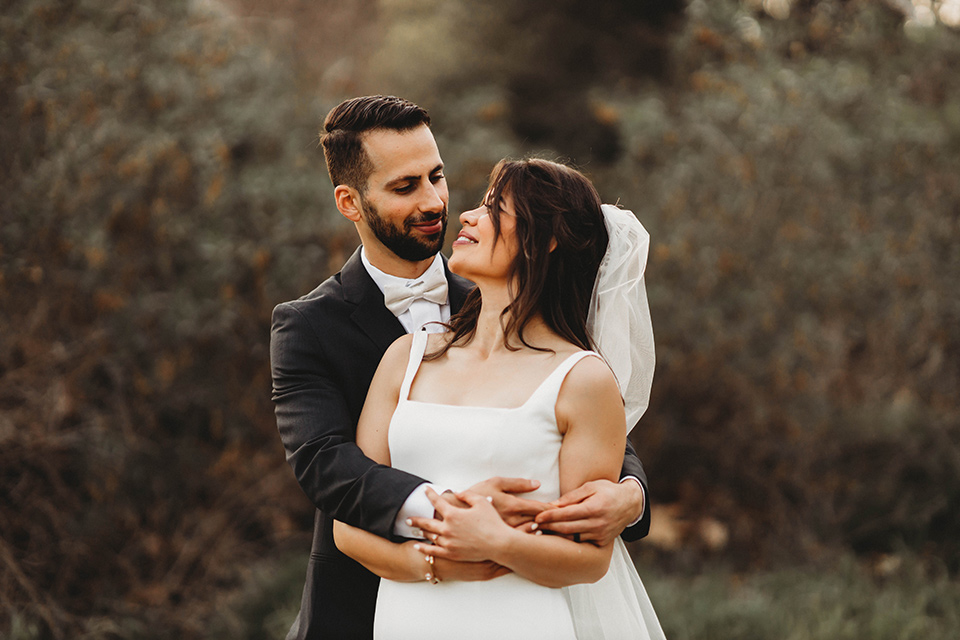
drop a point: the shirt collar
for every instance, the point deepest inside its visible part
(381, 278)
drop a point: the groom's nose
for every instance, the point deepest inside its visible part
(434, 198)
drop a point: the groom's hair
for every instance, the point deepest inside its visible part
(343, 129)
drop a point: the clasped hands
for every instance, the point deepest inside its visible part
(468, 526)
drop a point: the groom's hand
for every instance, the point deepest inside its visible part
(513, 509)
(598, 511)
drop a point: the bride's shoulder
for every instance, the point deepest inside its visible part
(395, 357)
(400, 345)
(399, 351)
(590, 378)
(590, 395)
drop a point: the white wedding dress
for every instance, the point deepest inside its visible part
(457, 447)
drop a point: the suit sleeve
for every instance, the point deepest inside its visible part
(633, 467)
(319, 434)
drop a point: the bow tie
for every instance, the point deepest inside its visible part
(432, 286)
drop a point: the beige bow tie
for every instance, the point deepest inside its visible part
(432, 286)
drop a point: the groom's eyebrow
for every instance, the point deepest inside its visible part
(402, 179)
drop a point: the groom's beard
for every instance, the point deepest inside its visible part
(403, 240)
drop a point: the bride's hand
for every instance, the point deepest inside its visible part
(466, 534)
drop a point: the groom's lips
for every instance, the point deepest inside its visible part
(429, 227)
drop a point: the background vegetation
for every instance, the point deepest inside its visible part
(796, 162)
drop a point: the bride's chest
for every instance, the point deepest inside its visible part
(460, 446)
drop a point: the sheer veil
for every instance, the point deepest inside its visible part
(617, 606)
(619, 317)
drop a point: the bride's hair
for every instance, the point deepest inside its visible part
(552, 202)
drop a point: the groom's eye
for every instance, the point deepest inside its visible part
(407, 188)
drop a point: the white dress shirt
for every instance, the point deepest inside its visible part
(421, 311)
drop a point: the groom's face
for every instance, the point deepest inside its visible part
(404, 204)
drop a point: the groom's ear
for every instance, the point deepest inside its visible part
(348, 202)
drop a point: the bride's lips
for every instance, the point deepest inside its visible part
(429, 227)
(464, 238)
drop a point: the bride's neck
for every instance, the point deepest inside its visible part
(489, 335)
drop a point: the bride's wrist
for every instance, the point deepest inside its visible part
(416, 566)
(505, 545)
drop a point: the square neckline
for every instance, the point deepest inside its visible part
(418, 348)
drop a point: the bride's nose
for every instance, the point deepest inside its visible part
(470, 217)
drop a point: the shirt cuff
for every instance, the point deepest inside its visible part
(644, 510)
(417, 505)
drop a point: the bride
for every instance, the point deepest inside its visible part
(512, 389)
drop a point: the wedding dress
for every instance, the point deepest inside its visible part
(457, 447)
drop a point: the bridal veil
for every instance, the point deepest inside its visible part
(619, 324)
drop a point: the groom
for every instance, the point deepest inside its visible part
(325, 347)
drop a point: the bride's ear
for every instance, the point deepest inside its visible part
(348, 202)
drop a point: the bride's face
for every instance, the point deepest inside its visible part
(478, 254)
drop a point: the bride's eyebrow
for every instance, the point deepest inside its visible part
(487, 202)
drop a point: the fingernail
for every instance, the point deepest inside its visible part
(409, 522)
(416, 547)
(489, 498)
(538, 532)
(533, 527)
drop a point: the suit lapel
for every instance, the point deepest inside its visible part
(370, 314)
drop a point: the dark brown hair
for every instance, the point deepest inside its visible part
(344, 126)
(551, 202)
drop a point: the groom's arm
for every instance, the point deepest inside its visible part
(633, 469)
(318, 431)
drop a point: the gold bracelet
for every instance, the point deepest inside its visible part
(431, 574)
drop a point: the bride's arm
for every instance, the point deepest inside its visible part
(590, 412)
(402, 562)
(381, 402)
(399, 562)
(382, 557)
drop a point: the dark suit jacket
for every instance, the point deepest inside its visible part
(324, 350)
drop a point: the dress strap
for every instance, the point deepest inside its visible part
(550, 387)
(417, 348)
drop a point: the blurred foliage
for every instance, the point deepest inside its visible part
(162, 191)
(567, 47)
(802, 188)
(845, 601)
